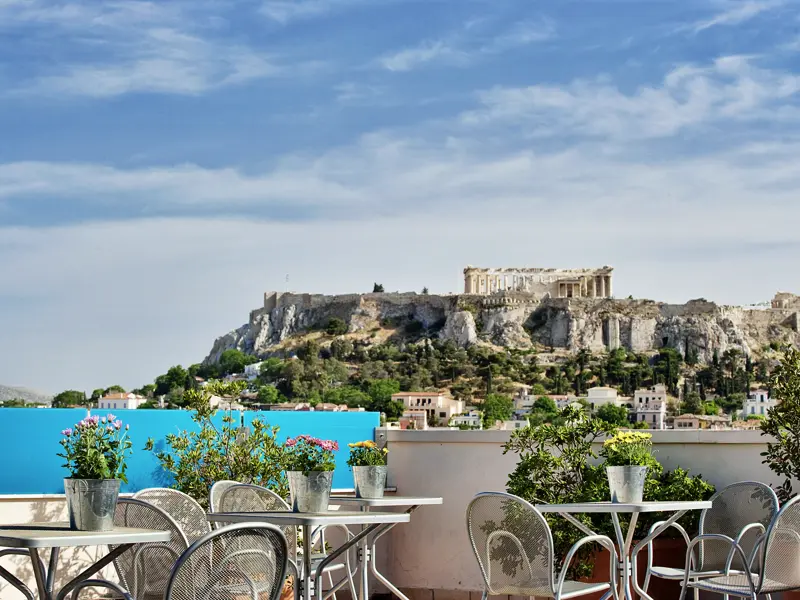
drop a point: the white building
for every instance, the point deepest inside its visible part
(511, 425)
(758, 403)
(435, 404)
(251, 372)
(472, 419)
(599, 396)
(121, 401)
(650, 406)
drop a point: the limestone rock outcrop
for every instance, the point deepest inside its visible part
(519, 320)
(460, 328)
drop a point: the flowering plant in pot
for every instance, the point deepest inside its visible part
(95, 450)
(309, 468)
(368, 463)
(628, 455)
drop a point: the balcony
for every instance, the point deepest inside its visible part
(430, 558)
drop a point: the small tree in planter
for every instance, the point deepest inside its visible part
(369, 468)
(95, 450)
(783, 424)
(309, 467)
(195, 460)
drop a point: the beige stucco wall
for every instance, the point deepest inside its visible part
(433, 552)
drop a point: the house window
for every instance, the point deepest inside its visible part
(642, 419)
(443, 415)
(762, 410)
(752, 410)
(654, 418)
(640, 400)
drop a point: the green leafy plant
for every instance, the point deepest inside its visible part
(96, 448)
(221, 449)
(367, 454)
(305, 453)
(783, 424)
(553, 468)
(629, 448)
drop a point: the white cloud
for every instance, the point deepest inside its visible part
(120, 302)
(463, 48)
(114, 48)
(731, 88)
(734, 12)
(284, 11)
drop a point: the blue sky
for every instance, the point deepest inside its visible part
(164, 163)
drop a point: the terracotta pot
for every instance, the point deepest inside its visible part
(667, 552)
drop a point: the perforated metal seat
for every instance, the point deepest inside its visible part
(232, 563)
(254, 498)
(741, 511)
(144, 570)
(514, 548)
(773, 565)
(183, 509)
(215, 495)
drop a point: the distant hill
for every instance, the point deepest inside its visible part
(29, 396)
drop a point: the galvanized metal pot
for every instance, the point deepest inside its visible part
(626, 483)
(310, 493)
(91, 503)
(370, 481)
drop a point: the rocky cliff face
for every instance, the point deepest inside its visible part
(516, 320)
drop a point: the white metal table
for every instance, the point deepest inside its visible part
(30, 538)
(366, 550)
(309, 585)
(627, 573)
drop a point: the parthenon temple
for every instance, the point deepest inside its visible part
(542, 283)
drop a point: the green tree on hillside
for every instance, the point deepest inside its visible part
(336, 326)
(68, 399)
(377, 288)
(496, 407)
(234, 361)
(613, 415)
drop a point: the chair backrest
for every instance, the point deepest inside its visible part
(248, 497)
(184, 509)
(144, 570)
(215, 495)
(238, 561)
(747, 504)
(780, 558)
(513, 545)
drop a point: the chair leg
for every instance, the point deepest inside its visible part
(485, 595)
(330, 582)
(697, 594)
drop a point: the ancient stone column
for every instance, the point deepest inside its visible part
(610, 293)
(602, 286)
(593, 289)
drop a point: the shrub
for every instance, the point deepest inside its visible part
(195, 460)
(336, 326)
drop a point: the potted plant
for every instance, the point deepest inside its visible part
(310, 466)
(369, 468)
(95, 451)
(628, 455)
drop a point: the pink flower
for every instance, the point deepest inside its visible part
(117, 424)
(111, 417)
(67, 432)
(291, 442)
(127, 427)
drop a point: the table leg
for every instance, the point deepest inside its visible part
(373, 563)
(624, 543)
(13, 579)
(355, 541)
(40, 574)
(363, 565)
(52, 568)
(643, 595)
(100, 564)
(308, 582)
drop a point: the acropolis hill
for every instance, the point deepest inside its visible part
(524, 308)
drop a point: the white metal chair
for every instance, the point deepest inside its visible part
(144, 570)
(183, 509)
(773, 565)
(246, 497)
(514, 548)
(742, 511)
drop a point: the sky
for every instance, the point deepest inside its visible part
(163, 164)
